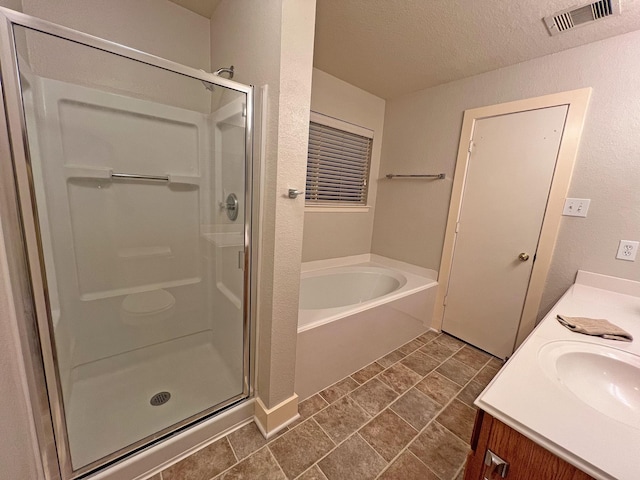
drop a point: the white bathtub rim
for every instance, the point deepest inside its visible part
(415, 282)
(369, 258)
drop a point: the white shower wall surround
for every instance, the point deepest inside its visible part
(99, 261)
(354, 310)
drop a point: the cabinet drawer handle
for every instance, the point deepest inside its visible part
(496, 464)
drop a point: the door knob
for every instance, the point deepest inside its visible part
(523, 257)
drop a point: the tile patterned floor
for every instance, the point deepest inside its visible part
(407, 416)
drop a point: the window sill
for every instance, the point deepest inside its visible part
(336, 209)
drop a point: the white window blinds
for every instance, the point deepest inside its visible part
(337, 164)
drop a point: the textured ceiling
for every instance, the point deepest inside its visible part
(392, 47)
(201, 7)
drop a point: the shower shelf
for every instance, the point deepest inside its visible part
(118, 292)
(225, 239)
(102, 173)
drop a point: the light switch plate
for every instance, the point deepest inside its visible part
(576, 207)
(627, 250)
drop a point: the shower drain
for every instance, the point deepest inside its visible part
(160, 399)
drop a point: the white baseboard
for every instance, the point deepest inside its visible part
(271, 420)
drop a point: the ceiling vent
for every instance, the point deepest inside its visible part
(576, 16)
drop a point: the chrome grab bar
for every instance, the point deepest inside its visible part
(439, 176)
(137, 176)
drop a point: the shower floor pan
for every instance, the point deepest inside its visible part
(110, 405)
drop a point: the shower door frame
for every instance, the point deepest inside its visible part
(27, 273)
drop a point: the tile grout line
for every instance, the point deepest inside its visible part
(374, 449)
(317, 462)
(233, 450)
(409, 452)
(325, 432)
(307, 470)
(389, 406)
(231, 466)
(421, 431)
(400, 395)
(404, 356)
(277, 462)
(401, 450)
(338, 446)
(459, 470)
(428, 468)
(384, 368)
(434, 419)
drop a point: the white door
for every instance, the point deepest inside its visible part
(506, 189)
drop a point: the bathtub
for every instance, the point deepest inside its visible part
(354, 310)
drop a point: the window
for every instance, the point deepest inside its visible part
(337, 162)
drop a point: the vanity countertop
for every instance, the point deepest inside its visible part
(524, 397)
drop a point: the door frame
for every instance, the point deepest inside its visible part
(19, 229)
(577, 102)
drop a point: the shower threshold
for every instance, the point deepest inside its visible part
(111, 403)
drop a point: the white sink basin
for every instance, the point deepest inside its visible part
(604, 378)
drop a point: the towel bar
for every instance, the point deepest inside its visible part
(136, 176)
(438, 176)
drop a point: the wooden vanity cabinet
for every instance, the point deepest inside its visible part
(527, 460)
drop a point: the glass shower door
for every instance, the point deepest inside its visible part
(139, 176)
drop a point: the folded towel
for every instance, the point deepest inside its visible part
(596, 327)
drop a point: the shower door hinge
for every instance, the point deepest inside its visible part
(444, 302)
(240, 259)
(457, 227)
(470, 146)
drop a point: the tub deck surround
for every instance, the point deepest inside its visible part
(523, 397)
(406, 416)
(336, 341)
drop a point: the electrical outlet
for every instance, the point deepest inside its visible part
(576, 207)
(627, 250)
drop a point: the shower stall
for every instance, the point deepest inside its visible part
(133, 178)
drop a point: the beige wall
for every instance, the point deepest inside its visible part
(331, 234)
(12, 4)
(170, 32)
(272, 43)
(159, 27)
(422, 131)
